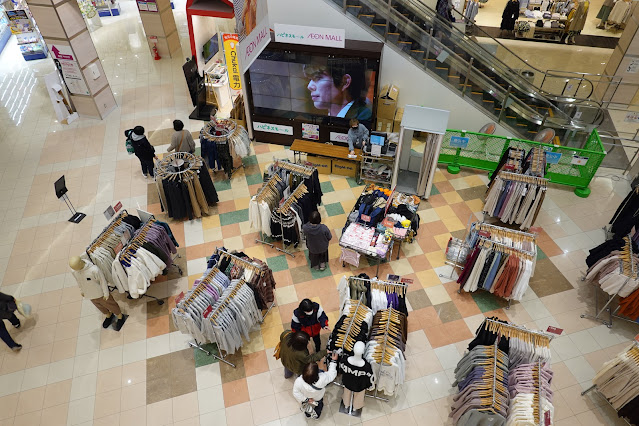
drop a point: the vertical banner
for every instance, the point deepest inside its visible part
(230, 41)
(251, 19)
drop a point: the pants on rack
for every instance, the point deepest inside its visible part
(147, 167)
(358, 399)
(107, 307)
(318, 409)
(318, 342)
(4, 334)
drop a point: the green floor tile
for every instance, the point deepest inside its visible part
(541, 254)
(327, 187)
(334, 209)
(434, 190)
(486, 301)
(254, 179)
(222, 185)
(251, 159)
(352, 182)
(202, 359)
(234, 217)
(321, 274)
(277, 263)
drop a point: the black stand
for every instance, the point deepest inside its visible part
(77, 216)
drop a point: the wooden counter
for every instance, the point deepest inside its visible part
(324, 150)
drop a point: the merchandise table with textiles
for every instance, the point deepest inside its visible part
(224, 143)
(185, 186)
(224, 305)
(285, 202)
(618, 382)
(379, 219)
(504, 378)
(501, 261)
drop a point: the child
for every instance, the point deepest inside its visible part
(309, 317)
(142, 149)
(317, 237)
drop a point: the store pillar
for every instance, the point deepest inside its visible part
(66, 34)
(159, 26)
(623, 64)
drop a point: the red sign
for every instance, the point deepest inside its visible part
(484, 234)
(207, 311)
(547, 420)
(534, 230)
(637, 338)
(118, 206)
(554, 330)
(366, 218)
(406, 281)
(179, 298)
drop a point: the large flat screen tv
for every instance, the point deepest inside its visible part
(300, 85)
(210, 48)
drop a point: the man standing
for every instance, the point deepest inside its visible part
(181, 141)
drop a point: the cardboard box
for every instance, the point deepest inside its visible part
(387, 102)
(323, 165)
(344, 168)
(397, 123)
(384, 125)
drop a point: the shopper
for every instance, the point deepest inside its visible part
(317, 238)
(8, 306)
(182, 140)
(310, 387)
(142, 149)
(310, 318)
(357, 135)
(294, 352)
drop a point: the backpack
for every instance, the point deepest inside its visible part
(129, 142)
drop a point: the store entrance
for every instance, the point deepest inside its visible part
(410, 162)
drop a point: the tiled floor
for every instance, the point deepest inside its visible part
(73, 372)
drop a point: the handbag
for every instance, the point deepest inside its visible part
(23, 308)
(276, 354)
(308, 408)
(180, 145)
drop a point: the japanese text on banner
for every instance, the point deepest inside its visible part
(230, 42)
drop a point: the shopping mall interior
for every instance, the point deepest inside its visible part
(475, 259)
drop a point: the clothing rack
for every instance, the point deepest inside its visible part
(275, 178)
(295, 168)
(632, 275)
(107, 229)
(250, 265)
(299, 191)
(536, 180)
(354, 314)
(178, 159)
(384, 347)
(387, 286)
(185, 303)
(483, 226)
(488, 243)
(539, 338)
(231, 128)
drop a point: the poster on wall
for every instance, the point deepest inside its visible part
(314, 36)
(152, 6)
(230, 41)
(251, 20)
(69, 68)
(310, 131)
(18, 21)
(272, 128)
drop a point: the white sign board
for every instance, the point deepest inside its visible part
(313, 36)
(70, 69)
(633, 66)
(339, 137)
(253, 44)
(272, 128)
(579, 161)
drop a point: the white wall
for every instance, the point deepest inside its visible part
(416, 86)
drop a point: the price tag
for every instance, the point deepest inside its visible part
(366, 218)
(391, 277)
(637, 338)
(484, 234)
(179, 298)
(207, 311)
(554, 330)
(547, 421)
(117, 207)
(406, 281)
(535, 230)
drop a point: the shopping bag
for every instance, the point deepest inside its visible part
(23, 308)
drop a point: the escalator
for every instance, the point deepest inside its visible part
(505, 92)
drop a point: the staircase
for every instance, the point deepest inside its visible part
(448, 54)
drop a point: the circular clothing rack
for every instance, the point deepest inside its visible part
(220, 129)
(178, 163)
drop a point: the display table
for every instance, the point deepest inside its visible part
(375, 234)
(301, 146)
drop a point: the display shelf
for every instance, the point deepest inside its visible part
(107, 8)
(5, 32)
(28, 36)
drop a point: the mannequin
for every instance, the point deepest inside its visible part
(357, 376)
(93, 286)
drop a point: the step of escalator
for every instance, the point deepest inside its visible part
(379, 28)
(354, 10)
(367, 19)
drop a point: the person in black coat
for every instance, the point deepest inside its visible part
(142, 149)
(510, 15)
(7, 311)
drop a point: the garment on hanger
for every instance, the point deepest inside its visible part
(387, 360)
(620, 12)
(618, 382)
(472, 8)
(514, 199)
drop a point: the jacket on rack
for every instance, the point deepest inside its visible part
(310, 324)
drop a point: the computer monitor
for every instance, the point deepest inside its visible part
(378, 138)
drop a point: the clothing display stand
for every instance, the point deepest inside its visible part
(633, 355)
(222, 131)
(103, 235)
(630, 273)
(538, 338)
(382, 356)
(270, 183)
(135, 243)
(299, 191)
(247, 264)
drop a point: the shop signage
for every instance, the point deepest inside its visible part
(338, 137)
(230, 41)
(179, 298)
(406, 281)
(70, 69)
(251, 19)
(553, 157)
(109, 212)
(554, 330)
(151, 6)
(459, 142)
(365, 218)
(207, 311)
(547, 421)
(310, 131)
(579, 161)
(118, 206)
(142, 6)
(313, 36)
(637, 338)
(18, 21)
(272, 128)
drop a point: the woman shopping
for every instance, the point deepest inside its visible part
(294, 352)
(317, 239)
(310, 387)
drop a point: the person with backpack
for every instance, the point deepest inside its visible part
(8, 306)
(182, 140)
(142, 149)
